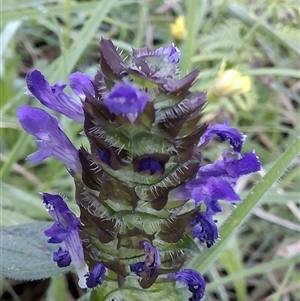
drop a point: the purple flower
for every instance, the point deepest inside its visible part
(214, 181)
(224, 132)
(171, 51)
(231, 168)
(150, 266)
(127, 100)
(65, 229)
(62, 258)
(193, 280)
(150, 164)
(94, 278)
(51, 140)
(205, 228)
(54, 98)
(206, 190)
(80, 82)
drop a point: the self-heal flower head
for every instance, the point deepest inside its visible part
(126, 100)
(65, 229)
(144, 129)
(150, 266)
(51, 140)
(193, 280)
(54, 97)
(94, 278)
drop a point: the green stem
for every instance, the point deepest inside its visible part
(187, 53)
(283, 283)
(139, 39)
(67, 29)
(240, 214)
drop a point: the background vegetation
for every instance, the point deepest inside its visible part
(260, 39)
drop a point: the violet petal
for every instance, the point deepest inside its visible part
(126, 99)
(94, 278)
(53, 97)
(51, 140)
(224, 132)
(80, 82)
(193, 280)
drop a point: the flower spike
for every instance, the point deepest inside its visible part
(136, 177)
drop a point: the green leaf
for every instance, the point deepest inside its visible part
(19, 201)
(26, 254)
(10, 218)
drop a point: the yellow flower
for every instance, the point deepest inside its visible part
(178, 29)
(229, 83)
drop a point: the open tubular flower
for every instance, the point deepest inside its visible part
(51, 139)
(65, 229)
(142, 189)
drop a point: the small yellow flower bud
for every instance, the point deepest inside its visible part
(178, 29)
(230, 83)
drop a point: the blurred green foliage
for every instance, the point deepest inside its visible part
(260, 39)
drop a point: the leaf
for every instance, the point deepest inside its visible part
(9, 218)
(231, 260)
(26, 254)
(18, 201)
